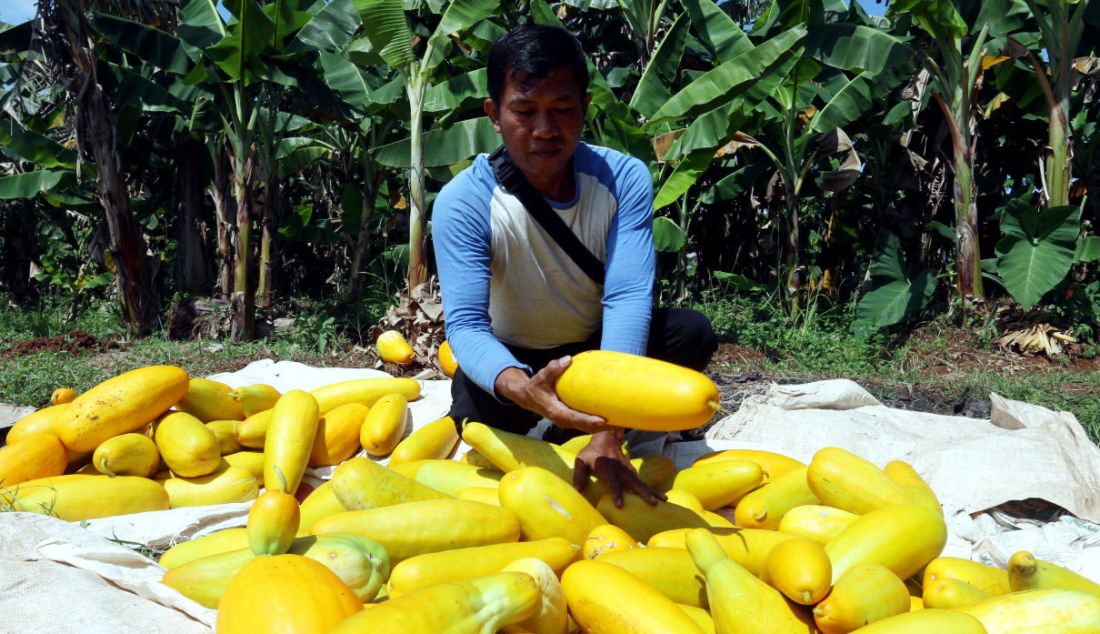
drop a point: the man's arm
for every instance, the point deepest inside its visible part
(462, 238)
(628, 285)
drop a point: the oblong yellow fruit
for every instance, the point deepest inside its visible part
(643, 521)
(864, 594)
(607, 538)
(449, 476)
(365, 391)
(321, 502)
(605, 599)
(926, 622)
(466, 563)
(766, 506)
(552, 616)
(433, 441)
(121, 404)
(209, 400)
(800, 569)
(360, 483)
(187, 446)
(284, 593)
(251, 460)
(749, 547)
(1026, 572)
(337, 436)
(485, 495)
(40, 455)
(63, 395)
(357, 561)
(226, 433)
(273, 523)
(255, 398)
(670, 571)
(951, 593)
(547, 506)
(225, 540)
(83, 497)
(913, 484)
(130, 454)
(739, 602)
(982, 576)
(771, 464)
(232, 484)
(816, 522)
(252, 432)
(902, 538)
(393, 348)
(842, 479)
(719, 484)
(384, 425)
(1033, 611)
(446, 358)
(36, 422)
(426, 526)
(483, 605)
(638, 392)
(289, 440)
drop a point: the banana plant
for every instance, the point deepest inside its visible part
(954, 89)
(68, 34)
(1061, 24)
(386, 28)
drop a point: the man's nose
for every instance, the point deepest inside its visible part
(544, 125)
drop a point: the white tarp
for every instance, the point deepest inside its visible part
(82, 579)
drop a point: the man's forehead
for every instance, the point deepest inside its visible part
(559, 84)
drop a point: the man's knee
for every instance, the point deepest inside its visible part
(684, 336)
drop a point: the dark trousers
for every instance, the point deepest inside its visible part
(677, 335)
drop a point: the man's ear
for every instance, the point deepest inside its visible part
(491, 110)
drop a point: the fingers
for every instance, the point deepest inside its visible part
(580, 474)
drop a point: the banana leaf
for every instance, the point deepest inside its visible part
(331, 30)
(443, 147)
(152, 46)
(654, 88)
(714, 28)
(1037, 250)
(30, 184)
(724, 83)
(385, 26)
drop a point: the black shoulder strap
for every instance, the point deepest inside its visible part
(515, 183)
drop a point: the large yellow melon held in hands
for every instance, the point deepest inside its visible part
(633, 391)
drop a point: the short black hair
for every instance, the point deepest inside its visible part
(532, 52)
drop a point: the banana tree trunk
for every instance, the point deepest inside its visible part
(362, 239)
(418, 243)
(192, 254)
(224, 221)
(97, 134)
(242, 325)
(968, 263)
(267, 243)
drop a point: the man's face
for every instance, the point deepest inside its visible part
(540, 124)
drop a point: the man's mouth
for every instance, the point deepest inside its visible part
(546, 153)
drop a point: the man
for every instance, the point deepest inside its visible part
(516, 304)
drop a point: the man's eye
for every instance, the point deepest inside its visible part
(521, 113)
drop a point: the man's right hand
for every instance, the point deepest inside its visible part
(537, 394)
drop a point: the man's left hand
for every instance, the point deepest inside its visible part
(604, 458)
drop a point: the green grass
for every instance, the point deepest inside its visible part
(943, 362)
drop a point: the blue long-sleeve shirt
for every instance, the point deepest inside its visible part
(504, 279)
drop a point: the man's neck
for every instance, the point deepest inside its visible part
(557, 187)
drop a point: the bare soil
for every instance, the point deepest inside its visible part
(75, 342)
